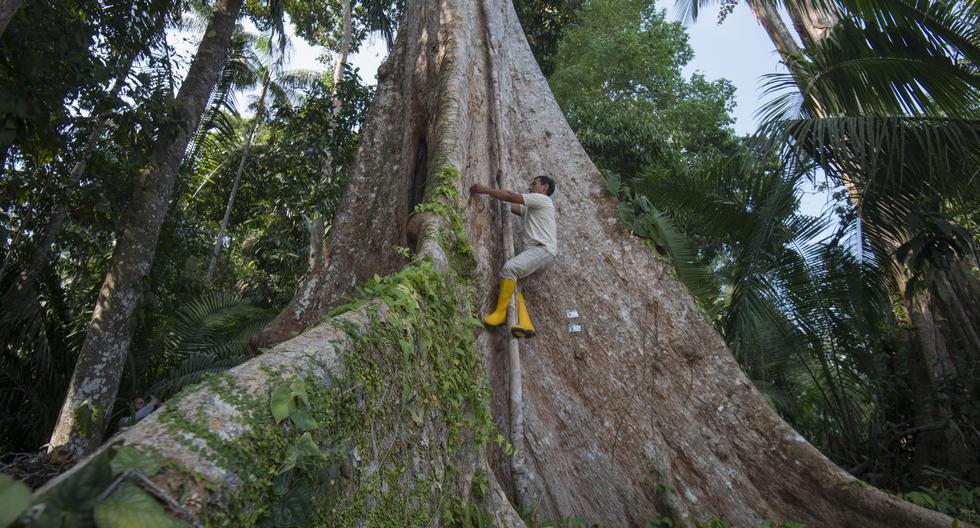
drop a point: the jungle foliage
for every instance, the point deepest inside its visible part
(181, 328)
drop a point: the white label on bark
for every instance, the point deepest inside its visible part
(574, 327)
(571, 313)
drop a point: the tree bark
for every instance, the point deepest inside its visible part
(8, 8)
(769, 18)
(643, 413)
(95, 381)
(944, 338)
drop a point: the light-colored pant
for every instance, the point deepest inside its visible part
(532, 259)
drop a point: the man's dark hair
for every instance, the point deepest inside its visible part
(547, 181)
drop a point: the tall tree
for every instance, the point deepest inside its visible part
(643, 414)
(95, 380)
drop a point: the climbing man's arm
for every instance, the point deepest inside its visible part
(516, 209)
(500, 194)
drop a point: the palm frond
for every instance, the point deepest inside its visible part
(863, 71)
(934, 154)
(208, 334)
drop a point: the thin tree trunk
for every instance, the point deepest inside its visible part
(338, 75)
(8, 8)
(237, 180)
(338, 70)
(95, 381)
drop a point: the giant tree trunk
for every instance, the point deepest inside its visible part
(644, 413)
(95, 381)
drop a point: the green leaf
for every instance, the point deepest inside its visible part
(15, 497)
(280, 485)
(131, 507)
(282, 403)
(129, 457)
(407, 350)
(612, 183)
(298, 389)
(293, 508)
(305, 446)
(301, 417)
(921, 499)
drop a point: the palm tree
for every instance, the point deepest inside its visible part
(885, 103)
(281, 87)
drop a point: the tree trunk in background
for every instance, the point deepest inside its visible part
(644, 412)
(8, 8)
(302, 310)
(95, 380)
(944, 339)
(327, 172)
(338, 70)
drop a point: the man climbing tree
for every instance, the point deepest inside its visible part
(644, 418)
(540, 247)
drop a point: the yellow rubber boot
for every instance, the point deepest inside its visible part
(499, 316)
(523, 328)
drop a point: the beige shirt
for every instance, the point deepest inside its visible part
(539, 222)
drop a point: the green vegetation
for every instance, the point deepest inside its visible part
(267, 241)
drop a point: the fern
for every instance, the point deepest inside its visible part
(209, 334)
